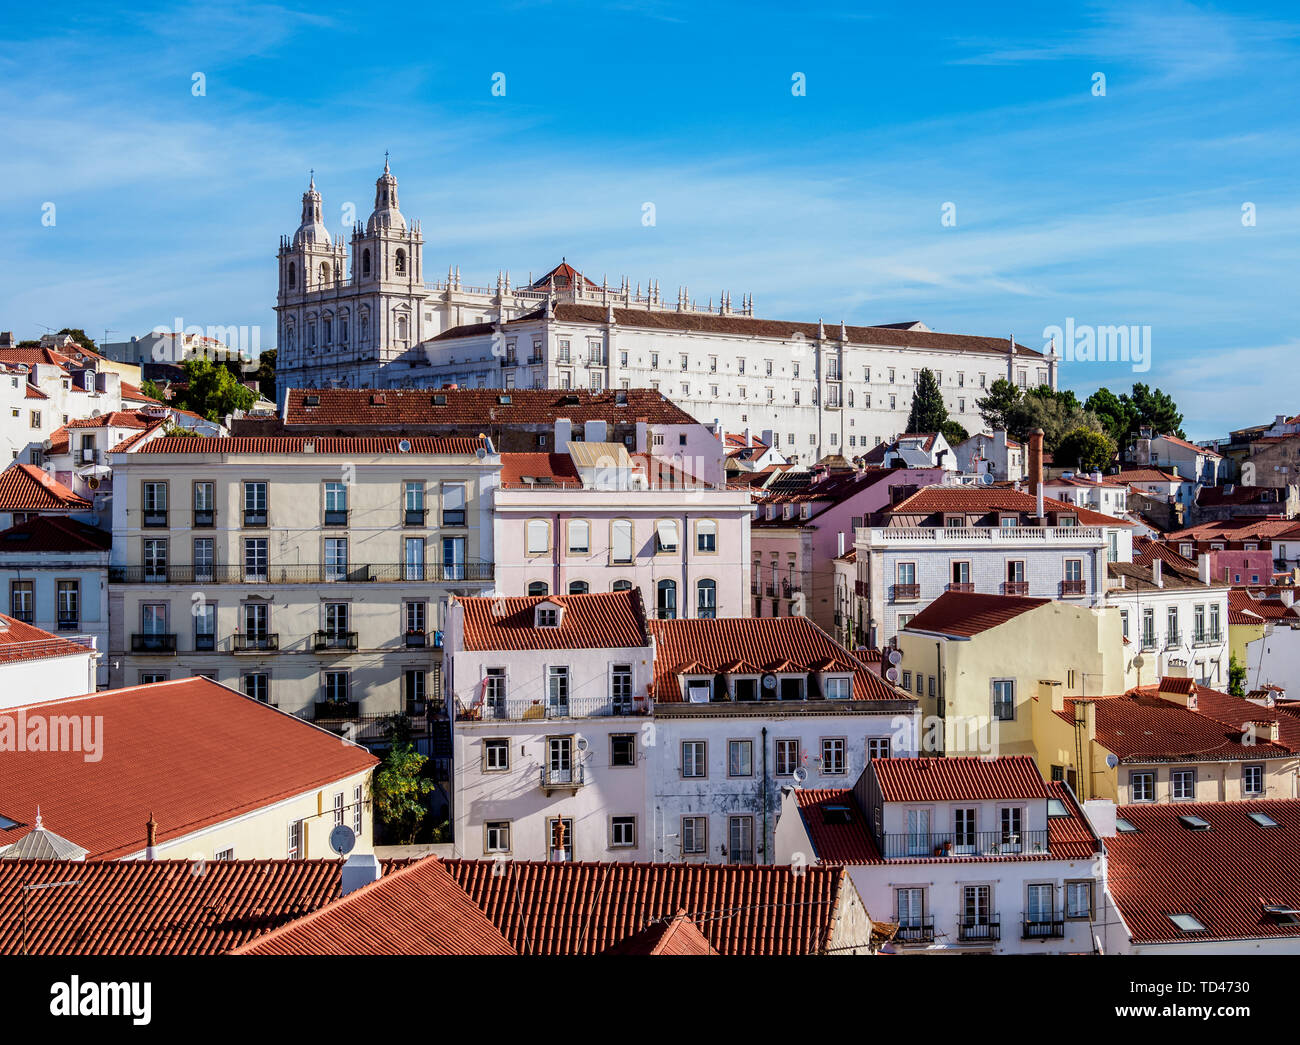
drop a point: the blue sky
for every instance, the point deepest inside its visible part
(1122, 209)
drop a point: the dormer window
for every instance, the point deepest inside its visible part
(699, 690)
(548, 615)
(839, 687)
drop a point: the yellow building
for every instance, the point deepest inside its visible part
(1172, 741)
(975, 662)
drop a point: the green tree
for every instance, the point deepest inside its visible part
(928, 411)
(1236, 677)
(265, 374)
(79, 336)
(1157, 410)
(954, 432)
(1055, 415)
(1003, 395)
(1116, 414)
(1085, 448)
(212, 390)
(398, 791)
(152, 389)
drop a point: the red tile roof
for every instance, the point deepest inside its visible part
(953, 779)
(971, 613)
(20, 642)
(418, 909)
(296, 444)
(32, 392)
(1150, 475)
(1146, 550)
(792, 644)
(1233, 712)
(26, 488)
(1238, 530)
(135, 394)
(747, 326)
(559, 469)
(602, 620)
(469, 406)
(54, 533)
(668, 936)
(970, 500)
(191, 752)
(1189, 446)
(1240, 600)
(1224, 876)
(563, 275)
(836, 826)
(587, 908)
(155, 907)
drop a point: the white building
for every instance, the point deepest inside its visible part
(994, 454)
(745, 706)
(1092, 491)
(366, 316)
(549, 698)
(965, 855)
(55, 571)
(37, 665)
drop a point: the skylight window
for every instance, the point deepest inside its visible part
(1281, 914)
(1187, 923)
(837, 815)
(1055, 807)
(6, 823)
(1125, 826)
(1263, 819)
(1194, 823)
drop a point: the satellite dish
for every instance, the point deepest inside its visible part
(895, 656)
(892, 674)
(1112, 761)
(93, 483)
(480, 453)
(987, 479)
(800, 775)
(343, 839)
(1139, 661)
(582, 743)
(404, 446)
(769, 682)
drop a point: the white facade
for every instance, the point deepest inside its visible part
(1173, 627)
(37, 400)
(532, 770)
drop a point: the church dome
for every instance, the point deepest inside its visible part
(312, 231)
(386, 215)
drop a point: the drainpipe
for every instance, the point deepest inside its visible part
(766, 854)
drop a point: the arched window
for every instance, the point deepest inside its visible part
(293, 275)
(706, 599)
(399, 262)
(327, 329)
(365, 328)
(621, 586)
(343, 327)
(324, 271)
(579, 587)
(539, 588)
(401, 328)
(666, 600)
(288, 337)
(365, 262)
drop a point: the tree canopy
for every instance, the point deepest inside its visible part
(211, 391)
(1086, 449)
(928, 414)
(1144, 407)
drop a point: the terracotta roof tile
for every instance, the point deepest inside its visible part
(296, 444)
(678, 935)
(602, 620)
(26, 488)
(966, 499)
(155, 907)
(587, 908)
(764, 641)
(468, 406)
(971, 613)
(1163, 869)
(20, 641)
(418, 909)
(53, 533)
(836, 826)
(192, 752)
(952, 779)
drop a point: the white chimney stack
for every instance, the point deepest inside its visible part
(358, 870)
(1157, 564)
(1203, 567)
(841, 543)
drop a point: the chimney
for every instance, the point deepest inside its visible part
(1157, 565)
(358, 870)
(1101, 814)
(1203, 567)
(1036, 467)
(594, 431)
(1090, 718)
(1053, 693)
(151, 839)
(1287, 595)
(563, 433)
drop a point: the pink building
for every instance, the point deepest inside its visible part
(595, 518)
(803, 521)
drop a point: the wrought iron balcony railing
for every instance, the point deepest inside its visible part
(300, 573)
(153, 643)
(979, 929)
(963, 844)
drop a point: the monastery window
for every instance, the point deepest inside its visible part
(399, 262)
(365, 262)
(293, 275)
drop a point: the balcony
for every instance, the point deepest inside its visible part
(360, 573)
(154, 518)
(335, 640)
(979, 930)
(205, 517)
(453, 517)
(205, 643)
(963, 844)
(416, 639)
(907, 592)
(1173, 639)
(569, 779)
(267, 642)
(413, 517)
(255, 518)
(335, 517)
(68, 624)
(917, 931)
(154, 643)
(1015, 587)
(1079, 587)
(965, 586)
(860, 589)
(335, 710)
(791, 588)
(894, 536)
(1207, 638)
(525, 709)
(771, 590)
(1040, 928)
